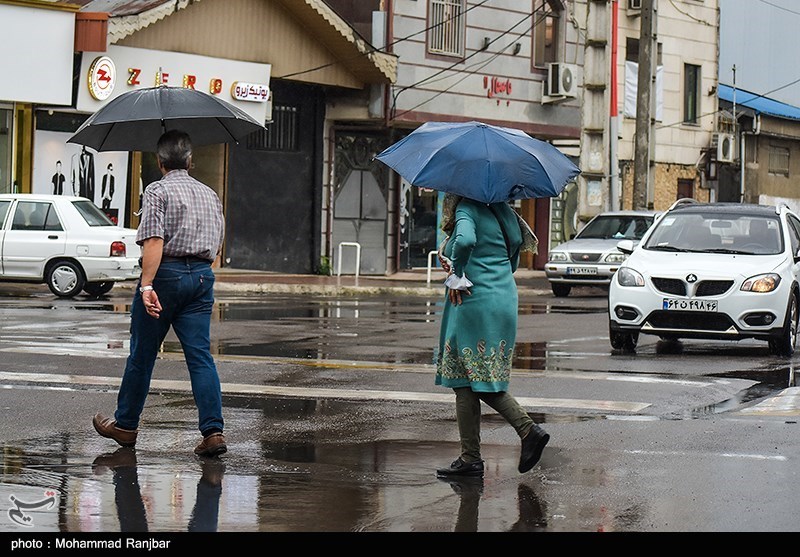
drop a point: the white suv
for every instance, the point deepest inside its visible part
(66, 242)
(724, 271)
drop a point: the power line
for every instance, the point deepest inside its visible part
(383, 50)
(461, 61)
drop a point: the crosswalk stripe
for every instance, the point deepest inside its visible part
(313, 392)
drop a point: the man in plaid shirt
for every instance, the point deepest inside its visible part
(181, 234)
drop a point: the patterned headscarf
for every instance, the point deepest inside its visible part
(529, 240)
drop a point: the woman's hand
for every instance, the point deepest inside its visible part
(444, 263)
(455, 295)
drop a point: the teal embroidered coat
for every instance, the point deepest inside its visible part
(476, 339)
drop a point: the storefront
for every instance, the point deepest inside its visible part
(115, 180)
(36, 51)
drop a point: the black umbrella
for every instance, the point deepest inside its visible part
(135, 120)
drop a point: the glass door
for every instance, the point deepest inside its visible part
(6, 146)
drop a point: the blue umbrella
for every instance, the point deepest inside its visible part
(482, 162)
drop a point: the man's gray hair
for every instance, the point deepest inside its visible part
(174, 150)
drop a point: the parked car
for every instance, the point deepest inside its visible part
(712, 271)
(66, 242)
(591, 258)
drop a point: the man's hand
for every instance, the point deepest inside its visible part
(152, 250)
(151, 304)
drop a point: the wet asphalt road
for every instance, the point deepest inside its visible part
(334, 425)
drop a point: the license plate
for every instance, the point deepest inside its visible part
(581, 270)
(689, 305)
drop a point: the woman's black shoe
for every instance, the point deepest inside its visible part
(532, 446)
(460, 468)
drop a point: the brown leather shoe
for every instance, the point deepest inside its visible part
(107, 427)
(211, 445)
(124, 457)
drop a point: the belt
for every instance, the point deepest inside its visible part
(185, 259)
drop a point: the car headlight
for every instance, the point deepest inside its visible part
(614, 258)
(628, 277)
(762, 283)
(557, 256)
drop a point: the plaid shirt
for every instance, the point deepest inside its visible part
(186, 213)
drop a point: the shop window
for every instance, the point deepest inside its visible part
(6, 118)
(282, 133)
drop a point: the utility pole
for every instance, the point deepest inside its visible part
(644, 139)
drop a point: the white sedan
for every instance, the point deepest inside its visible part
(711, 271)
(65, 242)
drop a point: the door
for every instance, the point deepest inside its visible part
(274, 190)
(360, 204)
(35, 236)
(4, 206)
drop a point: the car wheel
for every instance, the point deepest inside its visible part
(630, 342)
(786, 344)
(98, 288)
(560, 290)
(623, 341)
(64, 278)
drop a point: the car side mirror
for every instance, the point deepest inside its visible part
(626, 246)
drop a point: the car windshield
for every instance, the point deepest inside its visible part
(92, 214)
(714, 232)
(620, 227)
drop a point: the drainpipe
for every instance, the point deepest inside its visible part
(755, 132)
(613, 140)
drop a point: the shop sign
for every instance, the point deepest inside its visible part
(496, 86)
(254, 92)
(246, 82)
(102, 78)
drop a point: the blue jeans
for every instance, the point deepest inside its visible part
(186, 293)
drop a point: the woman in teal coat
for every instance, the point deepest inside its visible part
(479, 325)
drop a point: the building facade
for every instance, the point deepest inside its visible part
(684, 109)
(506, 62)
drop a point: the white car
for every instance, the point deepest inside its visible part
(712, 271)
(591, 258)
(66, 242)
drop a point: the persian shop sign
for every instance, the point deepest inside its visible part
(139, 67)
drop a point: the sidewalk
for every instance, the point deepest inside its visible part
(410, 283)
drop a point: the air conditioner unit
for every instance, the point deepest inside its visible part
(726, 147)
(562, 80)
(634, 7)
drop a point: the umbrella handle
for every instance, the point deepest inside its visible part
(514, 190)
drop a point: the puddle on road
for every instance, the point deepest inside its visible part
(768, 383)
(78, 482)
(527, 355)
(554, 307)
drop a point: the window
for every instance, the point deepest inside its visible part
(446, 24)
(281, 134)
(691, 93)
(91, 214)
(778, 160)
(685, 188)
(546, 17)
(4, 205)
(34, 215)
